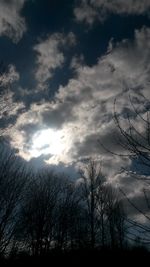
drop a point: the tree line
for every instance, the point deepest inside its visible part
(48, 211)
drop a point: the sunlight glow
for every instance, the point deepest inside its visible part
(46, 142)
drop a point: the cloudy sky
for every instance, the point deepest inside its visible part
(63, 63)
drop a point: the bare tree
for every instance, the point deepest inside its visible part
(114, 217)
(92, 178)
(51, 214)
(135, 135)
(104, 209)
(38, 215)
(134, 140)
(69, 213)
(12, 184)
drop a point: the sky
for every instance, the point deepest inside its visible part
(63, 64)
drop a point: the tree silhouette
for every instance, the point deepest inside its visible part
(38, 213)
(12, 183)
(104, 210)
(133, 139)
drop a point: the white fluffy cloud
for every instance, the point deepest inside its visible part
(9, 76)
(8, 108)
(12, 24)
(50, 55)
(83, 109)
(90, 10)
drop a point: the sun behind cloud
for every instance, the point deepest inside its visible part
(46, 142)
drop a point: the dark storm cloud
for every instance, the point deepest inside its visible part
(29, 130)
(140, 201)
(106, 141)
(57, 118)
(8, 121)
(62, 111)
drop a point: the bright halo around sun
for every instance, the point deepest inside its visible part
(46, 142)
